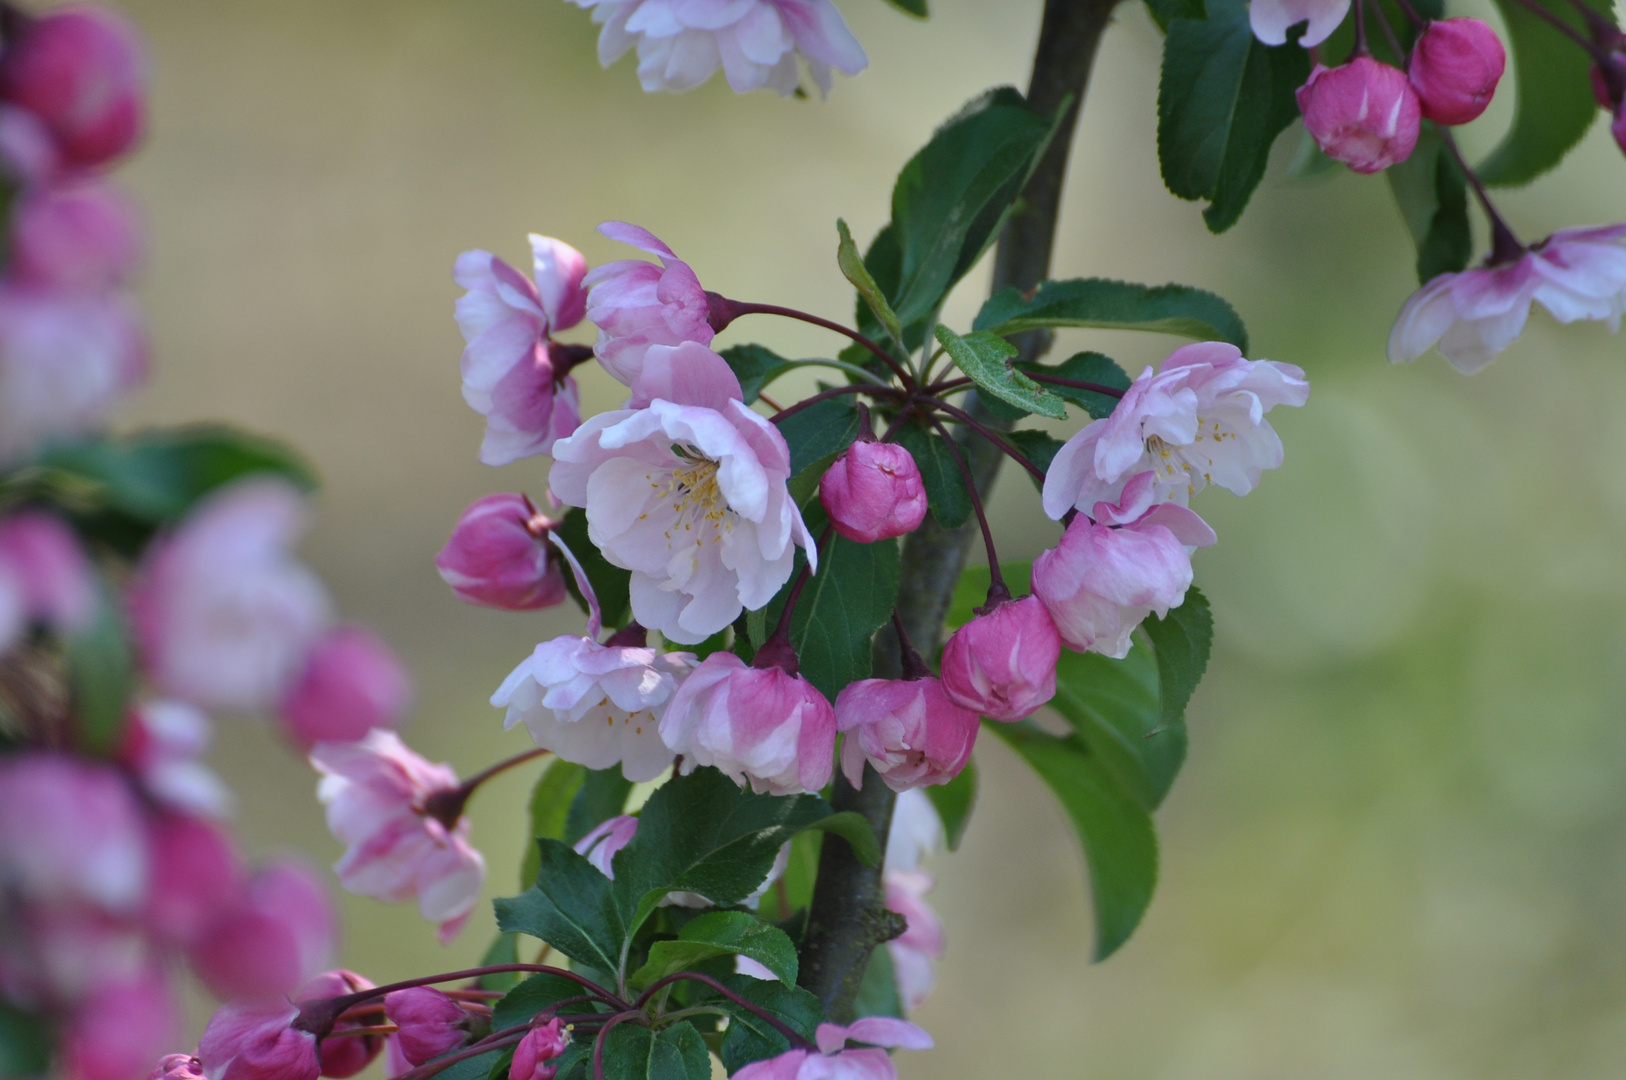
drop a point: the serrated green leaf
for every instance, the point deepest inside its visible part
(635, 1052)
(1114, 305)
(1114, 709)
(719, 933)
(854, 828)
(1433, 199)
(913, 8)
(1182, 640)
(1120, 845)
(946, 493)
(986, 358)
(1085, 367)
(749, 1037)
(1163, 11)
(504, 949)
(549, 811)
(954, 802)
(755, 366)
(571, 907)
(1554, 106)
(532, 996)
(854, 270)
(99, 676)
(611, 583)
(819, 431)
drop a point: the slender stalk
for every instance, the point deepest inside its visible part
(835, 391)
(992, 436)
(779, 1025)
(1076, 384)
(334, 1006)
(360, 1032)
(735, 309)
(1360, 29)
(996, 579)
(841, 365)
(598, 1043)
(1540, 11)
(1401, 56)
(447, 806)
(1505, 246)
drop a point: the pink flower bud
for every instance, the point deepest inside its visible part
(58, 585)
(84, 236)
(346, 1055)
(873, 492)
(1455, 67)
(607, 838)
(80, 69)
(637, 304)
(533, 1057)
(1364, 114)
(1002, 665)
(255, 1041)
(115, 1032)
(498, 556)
(71, 830)
(197, 877)
(177, 1067)
(352, 684)
(274, 937)
(431, 1024)
(908, 729)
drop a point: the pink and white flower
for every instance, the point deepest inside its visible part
(916, 833)
(1002, 665)
(114, 1033)
(80, 70)
(832, 1061)
(342, 1055)
(762, 725)
(498, 556)
(605, 839)
(1363, 113)
(916, 951)
(1272, 18)
(535, 1054)
(277, 933)
(689, 493)
(873, 492)
(909, 729)
(381, 801)
(197, 880)
(83, 235)
(636, 304)
(257, 1041)
(1470, 317)
(54, 578)
(1199, 420)
(757, 42)
(430, 1023)
(163, 747)
(177, 1067)
(71, 831)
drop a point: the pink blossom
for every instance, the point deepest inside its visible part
(278, 933)
(163, 746)
(534, 1056)
(636, 304)
(114, 1033)
(379, 798)
(28, 152)
(197, 879)
(831, 1061)
(1272, 18)
(1197, 421)
(498, 556)
(689, 494)
(681, 42)
(62, 950)
(1002, 665)
(77, 236)
(177, 1067)
(1455, 66)
(352, 683)
(224, 614)
(80, 70)
(873, 492)
(508, 372)
(916, 833)
(908, 729)
(71, 830)
(1363, 113)
(1107, 575)
(430, 1023)
(596, 705)
(256, 1041)
(916, 951)
(758, 724)
(606, 838)
(57, 581)
(345, 1055)
(65, 360)
(1575, 274)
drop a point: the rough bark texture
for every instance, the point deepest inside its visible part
(848, 918)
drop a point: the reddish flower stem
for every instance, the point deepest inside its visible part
(333, 1006)
(779, 1025)
(1505, 247)
(1076, 384)
(733, 309)
(500, 1040)
(992, 436)
(835, 391)
(598, 1043)
(997, 589)
(1541, 12)
(447, 806)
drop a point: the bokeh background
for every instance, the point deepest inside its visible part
(1399, 847)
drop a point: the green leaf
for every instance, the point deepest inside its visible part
(531, 997)
(99, 676)
(819, 431)
(854, 270)
(749, 1037)
(1114, 305)
(946, 492)
(794, 890)
(1120, 846)
(1086, 367)
(854, 828)
(549, 811)
(914, 8)
(574, 1064)
(570, 907)
(1182, 640)
(1037, 447)
(878, 989)
(1164, 11)
(755, 366)
(25, 1044)
(720, 933)
(954, 801)
(1223, 98)
(1115, 711)
(986, 358)
(475, 1068)
(603, 795)
(972, 590)
(1432, 195)
(952, 198)
(635, 1052)
(504, 949)
(1554, 106)
(611, 583)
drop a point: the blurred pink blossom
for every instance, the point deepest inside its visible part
(117, 1031)
(873, 492)
(908, 729)
(177, 1067)
(1455, 66)
(83, 235)
(636, 304)
(498, 556)
(1363, 113)
(255, 1041)
(163, 745)
(57, 580)
(430, 1023)
(79, 69)
(831, 1061)
(353, 682)
(606, 838)
(1002, 665)
(916, 951)
(278, 932)
(71, 830)
(198, 879)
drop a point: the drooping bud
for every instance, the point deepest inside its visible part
(1364, 114)
(196, 877)
(276, 935)
(535, 1054)
(1002, 664)
(498, 556)
(430, 1023)
(873, 492)
(257, 1041)
(353, 683)
(80, 236)
(80, 70)
(1454, 68)
(345, 1055)
(908, 729)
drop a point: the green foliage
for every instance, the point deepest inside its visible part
(532, 996)
(676, 1052)
(914, 8)
(1114, 305)
(549, 811)
(1223, 98)
(1162, 11)
(1554, 106)
(878, 989)
(954, 802)
(504, 949)
(570, 907)
(478, 1067)
(1087, 367)
(755, 366)
(603, 795)
(1037, 447)
(100, 671)
(946, 492)
(819, 431)
(25, 1044)
(610, 583)
(750, 1038)
(972, 589)
(1433, 198)
(986, 358)
(1115, 711)
(1182, 640)
(720, 933)
(854, 270)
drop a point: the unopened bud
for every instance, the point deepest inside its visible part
(1455, 67)
(79, 69)
(353, 683)
(83, 236)
(430, 1023)
(873, 492)
(1364, 114)
(498, 556)
(1002, 665)
(535, 1054)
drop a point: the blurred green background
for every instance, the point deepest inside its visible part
(1399, 846)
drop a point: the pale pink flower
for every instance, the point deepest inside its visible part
(71, 830)
(498, 556)
(278, 932)
(509, 375)
(873, 492)
(65, 360)
(1002, 665)
(116, 1032)
(1272, 18)
(57, 581)
(346, 1055)
(681, 42)
(430, 1023)
(163, 747)
(1107, 575)
(256, 1041)
(380, 803)
(1199, 420)
(689, 493)
(758, 724)
(596, 705)
(636, 304)
(916, 951)
(224, 614)
(916, 833)
(80, 70)
(907, 728)
(1363, 113)
(831, 1061)
(1574, 274)
(83, 235)
(352, 683)
(1455, 66)
(606, 838)
(534, 1056)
